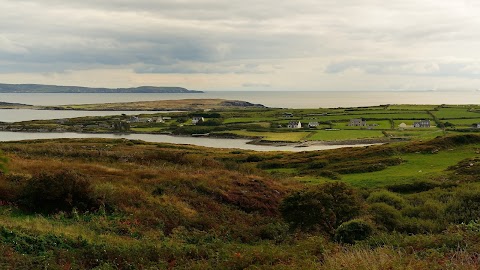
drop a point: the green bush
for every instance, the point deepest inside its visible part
(464, 206)
(54, 192)
(387, 197)
(385, 215)
(353, 230)
(418, 226)
(318, 164)
(322, 207)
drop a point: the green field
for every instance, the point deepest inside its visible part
(248, 120)
(416, 166)
(453, 113)
(464, 122)
(374, 124)
(412, 107)
(338, 135)
(273, 136)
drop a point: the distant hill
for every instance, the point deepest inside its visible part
(39, 88)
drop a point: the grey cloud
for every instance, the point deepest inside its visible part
(239, 37)
(470, 69)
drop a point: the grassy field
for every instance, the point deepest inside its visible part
(338, 135)
(416, 166)
(464, 122)
(273, 136)
(375, 124)
(248, 120)
(412, 107)
(454, 113)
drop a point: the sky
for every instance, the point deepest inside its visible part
(248, 45)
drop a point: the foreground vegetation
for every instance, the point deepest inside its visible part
(119, 204)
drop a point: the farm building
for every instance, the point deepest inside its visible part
(357, 123)
(422, 124)
(197, 119)
(402, 125)
(313, 124)
(294, 124)
(477, 125)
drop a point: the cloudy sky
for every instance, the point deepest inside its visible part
(313, 45)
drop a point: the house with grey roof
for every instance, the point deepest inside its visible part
(422, 124)
(357, 123)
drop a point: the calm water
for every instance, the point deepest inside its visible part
(199, 141)
(18, 115)
(287, 99)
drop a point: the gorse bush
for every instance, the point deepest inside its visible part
(323, 207)
(465, 206)
(353, 230)
(385, 215)
(59, 191)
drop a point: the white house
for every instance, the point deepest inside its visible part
(294, 124)
(402, 125)
(197, 119)
(159, 120)
(313, 124)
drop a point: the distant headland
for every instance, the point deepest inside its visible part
(40, 88)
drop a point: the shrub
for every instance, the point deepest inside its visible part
(353, 230)
(465, 206)
(11, 186)
(385, 215)
(418, 226)
(54, 192)
(323, 207)
(387, 197)
(3, 163)
(318, 164)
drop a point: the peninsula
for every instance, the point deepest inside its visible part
(40, 88)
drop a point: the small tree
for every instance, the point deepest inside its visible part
(465, 206)
(323, 207)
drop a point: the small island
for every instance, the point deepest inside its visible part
(40, 88)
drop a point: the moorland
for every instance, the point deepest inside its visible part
(121, 204)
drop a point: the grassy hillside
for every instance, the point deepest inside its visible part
(119, 204)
